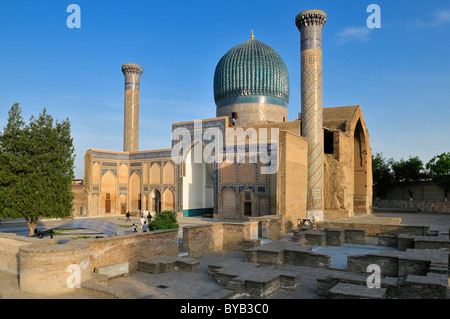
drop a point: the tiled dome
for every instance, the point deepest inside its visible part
(251, 70)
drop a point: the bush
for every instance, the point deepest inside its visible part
(167, 219)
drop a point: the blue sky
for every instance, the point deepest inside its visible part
(399, 73)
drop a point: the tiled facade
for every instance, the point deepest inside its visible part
(251, 83)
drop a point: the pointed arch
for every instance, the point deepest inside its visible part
(261, 206)
(155, 196)
(198, 181)
(135, 192)
(360, 154)
(168, 199)
(155, 174)
(228, 204)
(108, 192)
(246, 202)
(169, 173)
(123, 203)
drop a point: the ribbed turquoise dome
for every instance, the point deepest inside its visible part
(249, 71)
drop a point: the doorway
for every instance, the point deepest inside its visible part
(156, 198)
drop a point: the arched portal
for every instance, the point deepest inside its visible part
(198, 182)
(168, 200)
(156, 201)
(229, 204)
(135, 193)
(109, 193)
(360, 170)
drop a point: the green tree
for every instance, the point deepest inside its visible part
(382, 174)
(167, 219)
(439, 169)
(408, 172)
(36, 168)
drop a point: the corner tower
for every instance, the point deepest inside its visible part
(132, 73)
(251, 84)
(310, 24)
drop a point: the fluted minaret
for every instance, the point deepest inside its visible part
(310, 24)
(132, 74)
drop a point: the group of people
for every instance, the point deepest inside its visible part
(144, 225)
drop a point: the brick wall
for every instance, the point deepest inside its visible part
(227, 236)
(132, 248)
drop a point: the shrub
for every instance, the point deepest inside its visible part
(167, 219)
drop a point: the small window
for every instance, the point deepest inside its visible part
(233, 115)
(328, 143)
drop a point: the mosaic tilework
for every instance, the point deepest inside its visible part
(310, 24)
(251, 68)
(131, 123)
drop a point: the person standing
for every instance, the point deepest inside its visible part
(144, 227)
(149, 217)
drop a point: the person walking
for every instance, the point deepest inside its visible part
(128, 217)
(142, 221)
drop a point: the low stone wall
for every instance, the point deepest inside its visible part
(43, 264)
(227, 236)
(268, 226)
(45, 268)
(9, 252)
(359, 263)
(132, 248)
(201, 239)
(422, 205)
(374, 229)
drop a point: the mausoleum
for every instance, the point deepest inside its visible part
(250, 160)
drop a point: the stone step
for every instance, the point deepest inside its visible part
(440, 268)
(233, 284)
(352, 291)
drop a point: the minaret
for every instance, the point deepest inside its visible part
(310, 24)
(132, 74)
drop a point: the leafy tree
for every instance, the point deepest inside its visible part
(167, 219)
(408, 172)
(382, 174)
(439, 168)
(36, 168)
